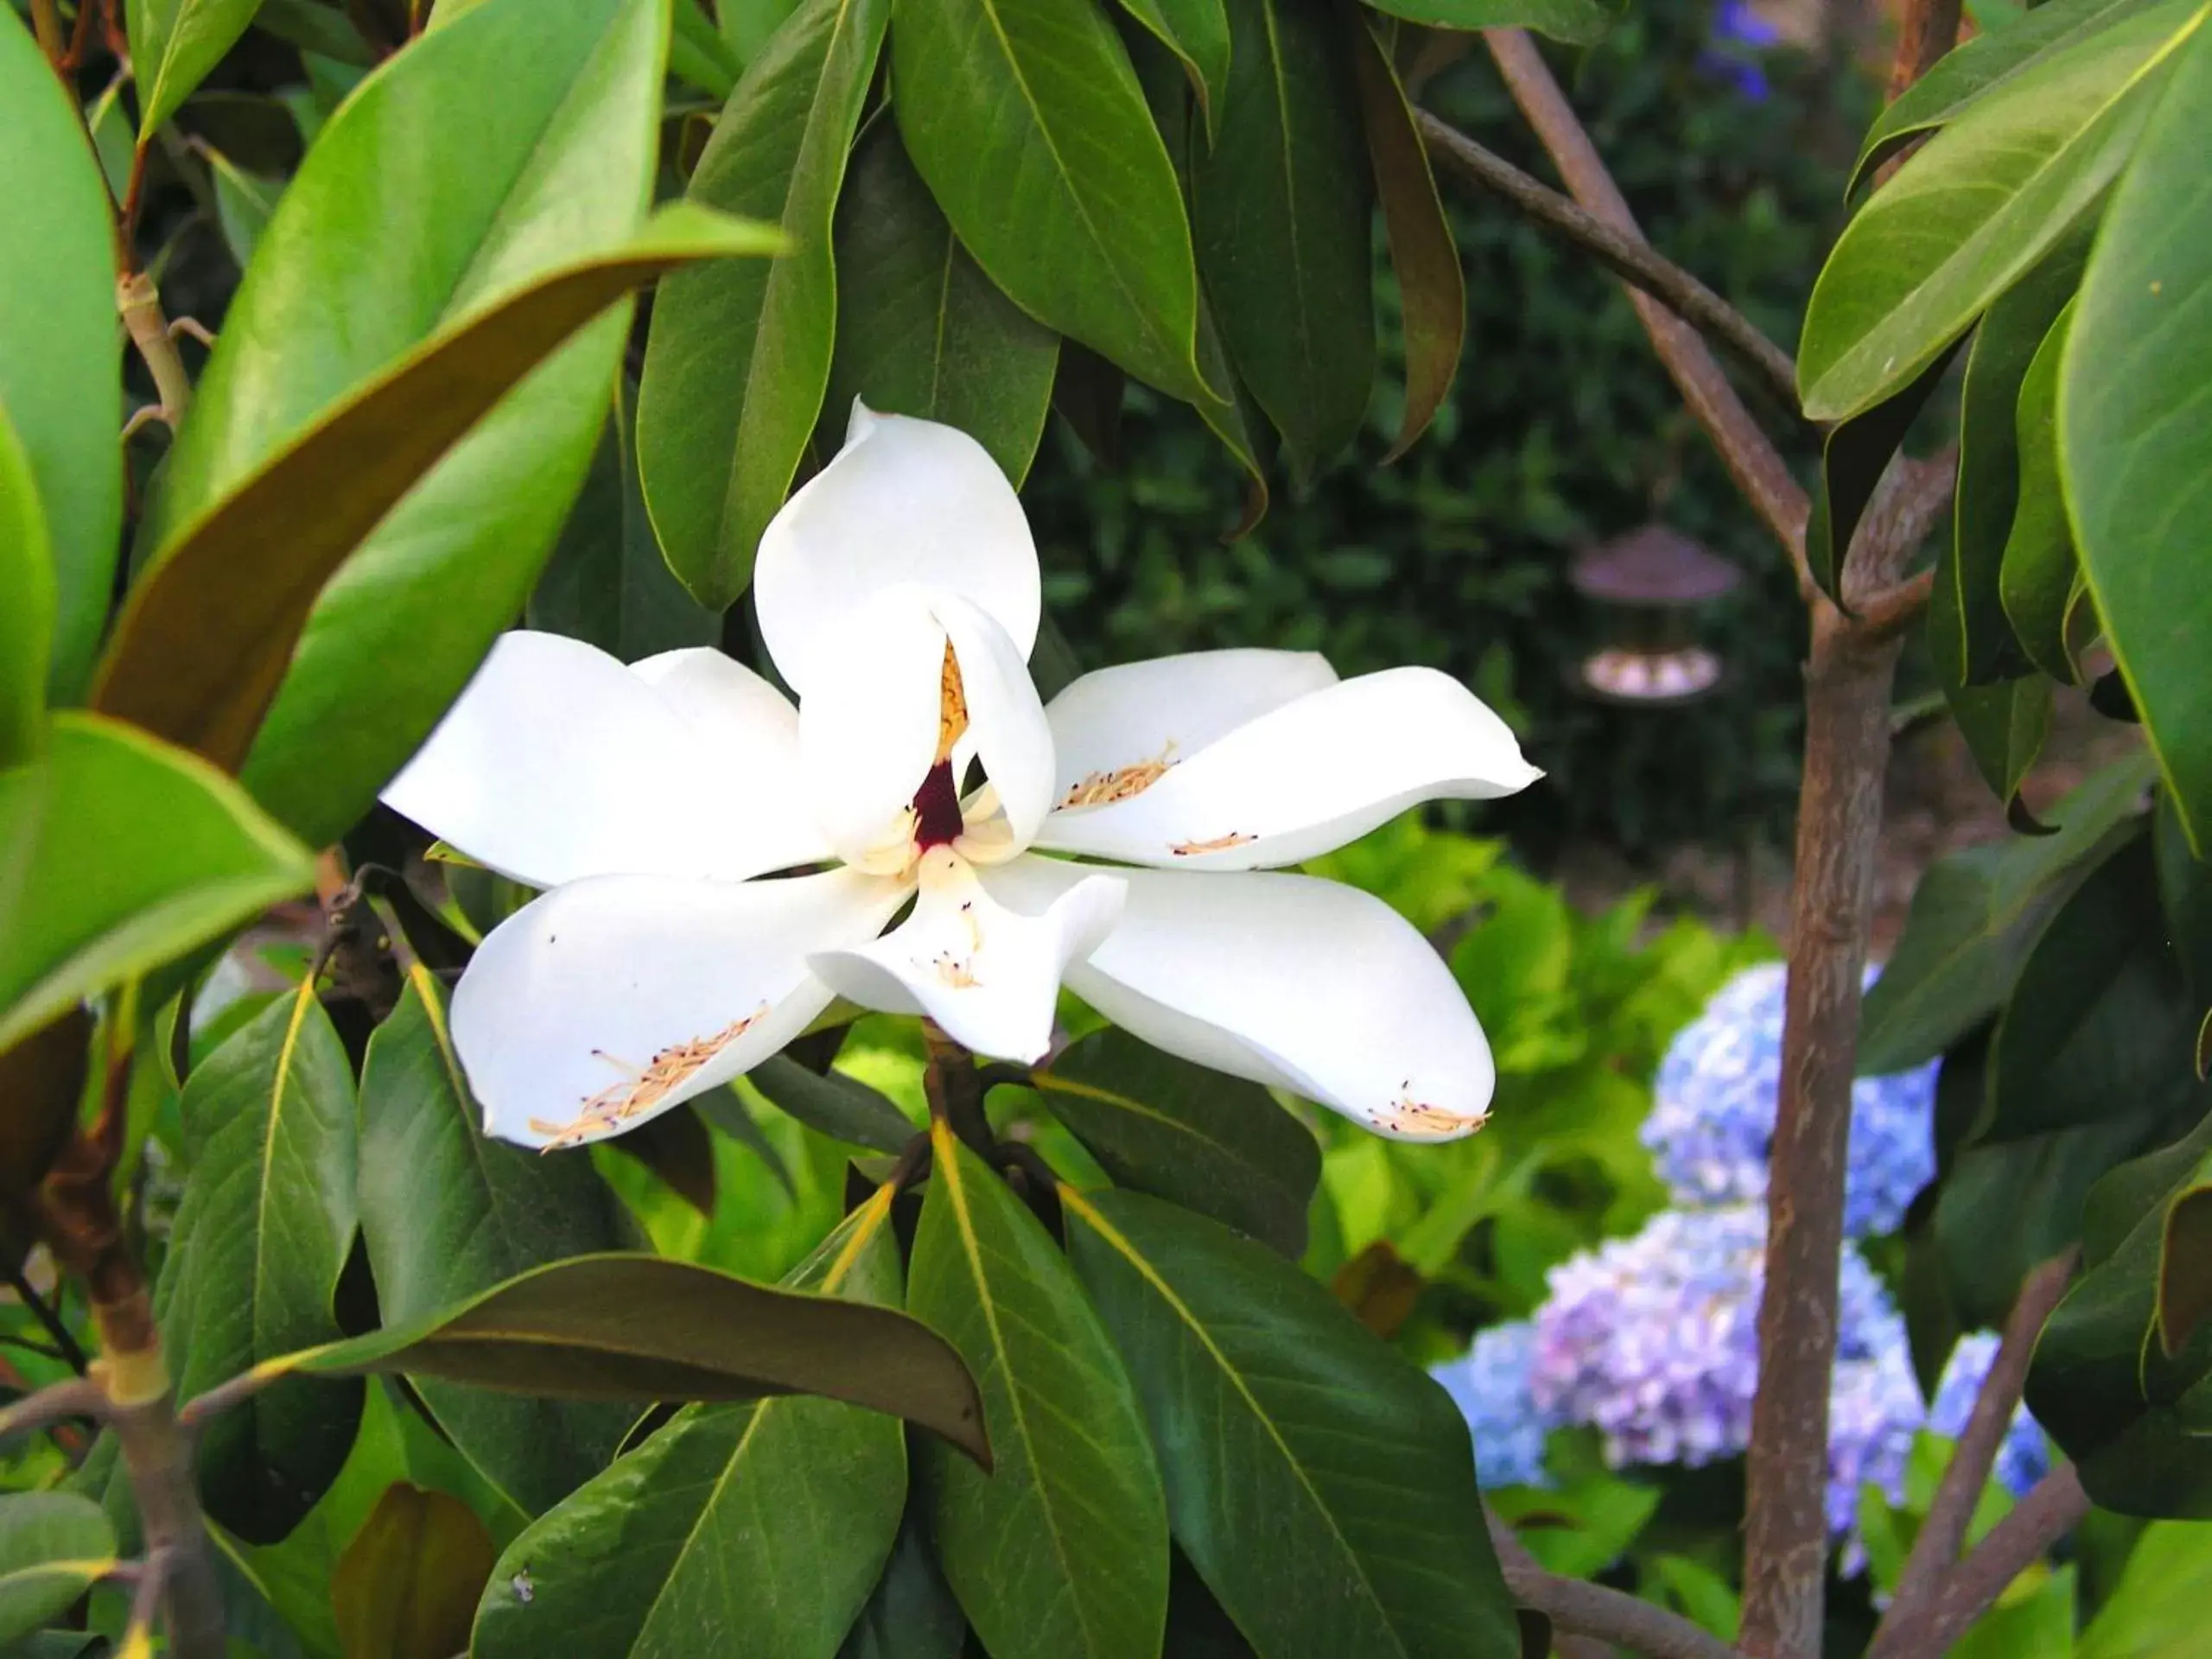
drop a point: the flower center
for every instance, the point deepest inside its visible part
(936, 809)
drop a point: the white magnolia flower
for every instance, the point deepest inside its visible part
(898, 594)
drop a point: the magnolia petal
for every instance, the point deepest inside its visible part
(990, 976)
(1005, 719)
(868, 729)
(557, 762)
(606, 1002)
(749, 729)
(1307, 777)
(1287, 980)
(1124, 719)
(904, 501)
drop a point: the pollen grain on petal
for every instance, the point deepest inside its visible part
(643, 1089)
(1218, 844)
(1103, 788)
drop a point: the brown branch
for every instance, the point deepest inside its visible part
(955, 1090)
(1971, 1589)
(1628, 256)
(58, 1402)
(1930, 29)
(46, 24)
(1576, 1609)
(1943, 1533)
(1749, 455)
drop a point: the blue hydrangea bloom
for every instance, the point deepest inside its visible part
(1712, 1120)
(1489, 1384)
(2024, 1459)
(1739, 34)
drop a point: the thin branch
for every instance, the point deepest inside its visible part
(64, 1338)
(153, 1576)
(201, 1409)
(57, 1403)
(1971, 1589)
(1749, 455)
(955, 1090)
(46, 24)
(1627, 255)
(1591, 1610)
(1943, 1533)
(139, 304)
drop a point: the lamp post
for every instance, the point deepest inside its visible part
(1649, 584)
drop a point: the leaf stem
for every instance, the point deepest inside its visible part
(46, 23)
(139, 304)
(1583, 1610)
(956, 1093)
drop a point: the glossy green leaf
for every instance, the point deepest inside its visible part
(121, 853)
(1333, 1508)
(1197, 32)
(445, 1212)
(2134, 430)
(1973, 211)
(2036, 576)
(2185, 896)
(2185, 1260)
(773, 1518)
(1987, 62)
(2156, 1611)
(921, 330)
(1061, 1552)
(26, 602)
(243, 203)
(407, 1585)
(60, 370)
(2004, 724)
(173, 44)
(1432, 289)
(1971, 917)
(1208, 1143)
(606, 582)
(698, 55)
(53, 1548)
(255, 1254)
(320, 29)
(645, 1327)
(1578, 23)
(358, 352)
(2097, 1021)
(1853, 457)
(842, 1108)
(2004, 344)
(1026, 121)
(910, 1613)
(1279, 213)
(739, 355)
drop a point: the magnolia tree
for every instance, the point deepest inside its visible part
(643, 699)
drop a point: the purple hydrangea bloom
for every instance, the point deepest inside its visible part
(1874, 1408)
(1712, 1120)
(1739, 34)
(2024, 1459)
(1489, 1384)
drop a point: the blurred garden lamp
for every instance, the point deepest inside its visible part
(1650, 583)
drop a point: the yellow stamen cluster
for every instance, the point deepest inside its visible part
(1100, 788)
(952, 706)
(644, 1089)
(1218, 844)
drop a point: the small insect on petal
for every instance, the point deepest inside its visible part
(644, 1088)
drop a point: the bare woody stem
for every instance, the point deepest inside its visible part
(1970, 1589)
(1627, 255)
(1589, 1615)
(141, 308)
(1930, 1564)
(955, 1088)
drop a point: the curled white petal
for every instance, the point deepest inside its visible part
(1307, 777)
(557, 762)
(1287, 980)
(604, 1002)
(867, 729)
(990, 976)
(904, 501)
(1005, 720)
(1114, 721)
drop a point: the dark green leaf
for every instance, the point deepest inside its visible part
(2003, 724)
(2185, 1260)
(2036, 574)
(1333, 1507)
(260, 1237)
(1578, 23)
(726, 1110)
(834, 1105)
(2097, 1023)
(360, 350)
(121, 853)
(739, 355)
(606, 582)
(26, 602)
(1182, 1133)
(2135, 427)
(1197, 32)
(1985, 62)
(1973, 212)
(60, 374)
(1060, 1553)
(42, 1079)
(645, 1327)
(53, 1548)
(1279, 211)
(920, 329)
(771, 1518)
(1971, 917)
(1989, 458)
(1027, 122)
(1433, 290)
(2186, 895)
(243, 203)
(173, 44)
(318, 28)
(910, 1614)
(447, 1212)
(1853, 457)
(407, 1585)
(698, 55)
(676, 1147)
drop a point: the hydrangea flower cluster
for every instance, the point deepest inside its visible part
(2024, 1458)
(1489, 1384)
(1712, 1120)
